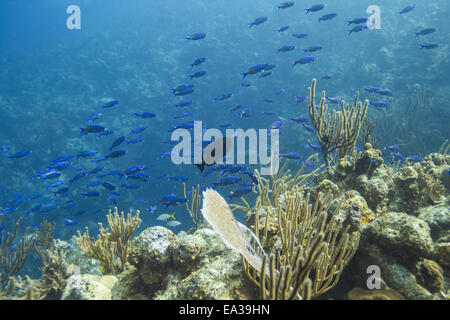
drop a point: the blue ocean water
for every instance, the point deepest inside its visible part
(52, 79)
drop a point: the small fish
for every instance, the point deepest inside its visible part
(326, 77)
(171, 200)
(245, 84)
(196, 36)
(108, 186)
(145, 115)
(265, 74)
(183, 103)
(285, 5)
(110, 104)
(407, 9)
(55, 184)
(93, 184)
(276, 125)
(309, 163)
(90, 194)
(245, 113)
(285, 49)
(308, 127)
(50, 175)
(384, 92)
(300, 119)
(326, 17)
(177, 178)
(425, 32)
(283, 28)
(291, 155)
(173, 223)
(371, 89)
(278, 92)
(92, 128)
(300, 98)
(98, 159)
(300, 35)
(135, 140)
(237, 106)
(183, 89)
(182, 115)
(304, 60)
(227, 181)
(19, 154)
(224, 124)
(429, 46)
(268, 100)
(198, 74)
(357, 21)
(332, 100)
(357, 28)
(198, 62)
(132, 186)
(398, 155)
(313, 48)
(315, 8)
(315, 147)
(223, 96)
(258, 21)
(268, 113)
(379, 104)
(166, 216)
(68, 222)
(78, 176)
(137, 130)
(392, 147)
(414, 158)
(251, 176)
(86, 154)
(60, 165)
(93, 117)
(116, 154)
(152, 209)
(255, 69)
(239, 193)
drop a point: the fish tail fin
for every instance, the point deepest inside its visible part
(307, 11)
(244, 75)
(172, 215)
(349, 22)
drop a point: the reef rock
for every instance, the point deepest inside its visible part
(88, 287)
(437, 217)
(401, 235)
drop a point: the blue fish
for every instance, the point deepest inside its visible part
(239, 193)
(196, 36)
(223, 96)
(93, 117)
(407, 9)
(145, 115)
(285, 5)
(137, 130)
(91, 129)
(291, 155)
(315, 8)
(300, 35)
(90, 194)
(19, 154)
(258, 21)
(357, 21)
(198, 62)
(198, 74)
(284, 28)
(357, 28)
(110, 104)
(68, 222)
(116, 154)
(326, 17)
(304, 60)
